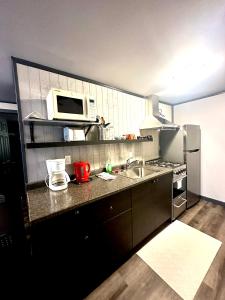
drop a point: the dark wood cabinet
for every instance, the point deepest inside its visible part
(107, 219)
(90, 242)
(151, 206)
(116, 237)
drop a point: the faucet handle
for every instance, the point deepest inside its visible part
(129, 160)
(141, 162)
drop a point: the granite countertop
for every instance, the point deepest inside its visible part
(44, 203)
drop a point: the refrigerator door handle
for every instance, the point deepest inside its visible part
(191, 151)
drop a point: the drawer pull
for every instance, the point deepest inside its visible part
(77, 212)
(155, 180)
(86, 237)
(111, 208)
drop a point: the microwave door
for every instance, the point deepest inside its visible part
(70, 105)
(70, 108)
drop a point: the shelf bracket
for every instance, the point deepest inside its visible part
(32, 132)
(88, 129)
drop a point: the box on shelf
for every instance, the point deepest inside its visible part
(71, 134)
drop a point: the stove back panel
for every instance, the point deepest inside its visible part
(172, 146)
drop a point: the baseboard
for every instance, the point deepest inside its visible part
(213, 200)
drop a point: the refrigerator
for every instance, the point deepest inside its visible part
(12, 189)
(184, 146)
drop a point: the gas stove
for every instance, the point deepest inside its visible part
(165, 164)
(179, 170)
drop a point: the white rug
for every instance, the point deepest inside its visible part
(181, 256)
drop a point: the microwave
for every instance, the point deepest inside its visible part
(67, 105)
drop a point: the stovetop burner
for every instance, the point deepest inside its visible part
(168, 164)
(165, 164)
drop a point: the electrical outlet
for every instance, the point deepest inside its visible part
(67, 159)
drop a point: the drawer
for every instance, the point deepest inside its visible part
(179, 206)
(103, 209)
(111, 206)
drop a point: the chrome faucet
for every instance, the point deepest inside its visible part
(132, 162)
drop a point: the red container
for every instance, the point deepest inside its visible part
(81, 171)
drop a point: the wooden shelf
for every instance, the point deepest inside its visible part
(81, 143)
(60, 123)
(63, 123)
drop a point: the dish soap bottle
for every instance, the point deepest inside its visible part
(108, 166)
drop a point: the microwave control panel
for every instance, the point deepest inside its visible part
(92, 108)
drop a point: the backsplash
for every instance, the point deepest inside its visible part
(125, 112)
(97, 155)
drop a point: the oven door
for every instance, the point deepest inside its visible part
(179, 204)
(179, 186)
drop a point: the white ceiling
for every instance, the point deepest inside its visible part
(173, 48)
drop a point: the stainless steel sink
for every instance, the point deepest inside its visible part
(138, 172)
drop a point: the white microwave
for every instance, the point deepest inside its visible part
(67, 105)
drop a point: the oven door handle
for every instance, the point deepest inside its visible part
(178, 206)
(178, 179)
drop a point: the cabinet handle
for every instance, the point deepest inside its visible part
(86, 237)
(155, 180)
(111, 208)
(77, 212)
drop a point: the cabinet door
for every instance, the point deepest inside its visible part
(115, 236)
(67, 249)
(100, 250)
(151, 204)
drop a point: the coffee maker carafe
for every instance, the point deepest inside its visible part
(57, 178)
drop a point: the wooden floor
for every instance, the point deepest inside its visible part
(136, 280)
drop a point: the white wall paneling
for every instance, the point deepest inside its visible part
(71, 84)
(79, 88)
(54, 80)
(63, 82)
(209, 114)
(124, 112)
